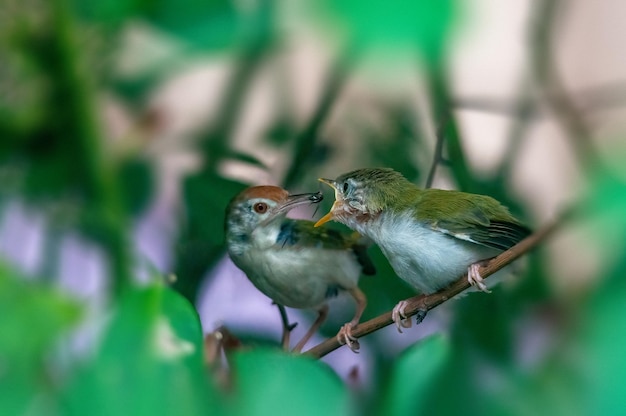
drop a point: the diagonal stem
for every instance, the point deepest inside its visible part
(437, 158)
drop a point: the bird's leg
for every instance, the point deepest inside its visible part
(475, 279)
(287, 327)
(398, 316)
(321, 317)
(401, 320)
(344, 336)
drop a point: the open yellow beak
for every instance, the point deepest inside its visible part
(329, 216)
(325, 218)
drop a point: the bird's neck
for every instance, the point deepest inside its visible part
(239, 238)
(382, 223)
(378, 214)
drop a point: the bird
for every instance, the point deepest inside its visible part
(293, 262)
(430, 237)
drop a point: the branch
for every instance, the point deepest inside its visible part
(306, 141)
(442, 108)
(428, 302)
(437, 157)
(608, 96)
(550, 84)
(525, 112)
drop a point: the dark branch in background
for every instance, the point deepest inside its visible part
(525, 109)
(437, 157)
(216, 141)
(305, 141)
(592, 99)
(429, 302)
(550, 84)
(442, 106)
(603, 97)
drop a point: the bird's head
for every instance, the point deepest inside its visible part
(261, 205)
(363, 193)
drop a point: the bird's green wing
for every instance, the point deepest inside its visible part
(476, 218)
(304, 234)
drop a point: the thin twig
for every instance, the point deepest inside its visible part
(287, 327)
(428, 302)
(306, 140)
(442, 108)
(609, 96)
(550, 84)
(525, 112)
(437, 157)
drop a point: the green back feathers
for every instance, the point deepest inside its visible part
(305, 234)
(477, 218)
(477, 209)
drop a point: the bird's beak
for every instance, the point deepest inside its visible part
(329, 216)
(293, 200)
(329, 182)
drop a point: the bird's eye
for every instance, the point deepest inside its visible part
(260, 207)
(345, 187)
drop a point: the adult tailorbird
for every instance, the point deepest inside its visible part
(430, 236)
(291, 261)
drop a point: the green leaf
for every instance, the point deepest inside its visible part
(246, 158)
(412, 376)
(271, 382)
(602, 335)
(211, 24)
(32, 318)
(150, 361)
(106, 11)
(136, 179)
(422, 23)
(494, 340)
(201, 241)
(208, 24)
(602, 338)
(605, 206)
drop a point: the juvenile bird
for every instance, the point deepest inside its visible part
(291, 261)
(430, 236)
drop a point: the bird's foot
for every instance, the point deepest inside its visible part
(475, 279)
(420, 315)
(345, 337)
(399, 317)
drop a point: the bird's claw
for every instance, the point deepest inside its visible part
(475, 279)
(345, 337)
(399, 317)
(420, 315)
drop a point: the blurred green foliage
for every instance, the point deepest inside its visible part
(420, 24)
(408, 390)
(269, 382)
(59, 56)
(149, 360)
(32, 317)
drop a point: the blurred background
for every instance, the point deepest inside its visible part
(127, 126)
